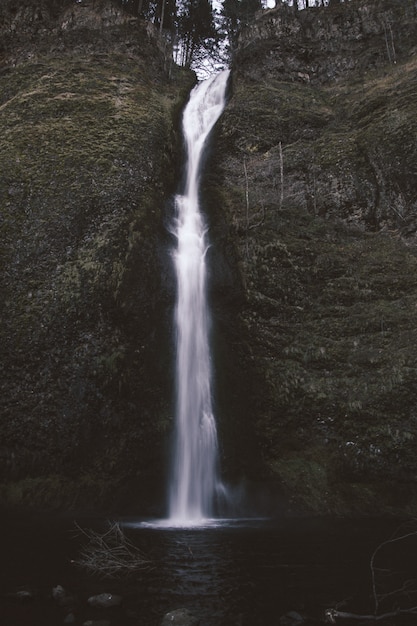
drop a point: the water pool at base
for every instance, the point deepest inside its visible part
(233, 573)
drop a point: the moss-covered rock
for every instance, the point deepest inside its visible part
(310, 197)
(88, 152)
(314, 167)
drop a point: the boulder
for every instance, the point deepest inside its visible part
(63, 597)
(292, 618)
(104, 600)
(180, 617)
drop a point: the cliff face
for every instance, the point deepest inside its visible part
(87, 160)
(310, 195)
(315, 170)
(323, 45)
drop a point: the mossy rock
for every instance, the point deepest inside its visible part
(316, 177)
(88, 154)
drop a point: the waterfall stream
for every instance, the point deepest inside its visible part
(195, 480)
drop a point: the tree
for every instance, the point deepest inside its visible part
(196, 30)
(238, 13)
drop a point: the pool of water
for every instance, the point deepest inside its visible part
(229, 573)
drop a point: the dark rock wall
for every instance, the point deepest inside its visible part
(310, 198)
(88, 157)
(314, 171)
(324, 45)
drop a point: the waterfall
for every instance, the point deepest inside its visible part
(195, 479)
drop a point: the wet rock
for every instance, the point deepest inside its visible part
(180, 617)
(22, 595)
(58, 593)
(140, 167)
(63, 597)
(292, 618)
(69, 619)
(308, 283)
(104, 600)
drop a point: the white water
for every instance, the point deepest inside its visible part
(195, 482)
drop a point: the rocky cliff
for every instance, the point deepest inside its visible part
(310, 194)
(89, 108)
(315, 170)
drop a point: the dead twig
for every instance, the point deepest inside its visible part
(408, 588)
(247, 204)
(110, 554)
(393, 539)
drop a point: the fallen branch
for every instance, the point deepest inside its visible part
(332, 615)
(408, 588)
(393, 539)
(110, 554)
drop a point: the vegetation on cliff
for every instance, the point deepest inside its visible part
(87, 153)
(310, 194)
(315, 168)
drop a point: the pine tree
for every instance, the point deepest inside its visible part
(238, 13)
(196, 30)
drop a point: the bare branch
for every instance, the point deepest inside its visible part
(260, 221)
(372, 562)
(281, 173)
(247, 203)
(408, 587)
(110, 554)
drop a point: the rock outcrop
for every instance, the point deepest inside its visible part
(314, 168)
(88, 151)
(311, 202)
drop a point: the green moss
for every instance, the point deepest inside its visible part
(306, 483)
(317, 184)
(88, 157)
(56, 493)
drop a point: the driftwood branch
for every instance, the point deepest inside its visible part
(110, 554)
(332, 615)
(408, 587)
